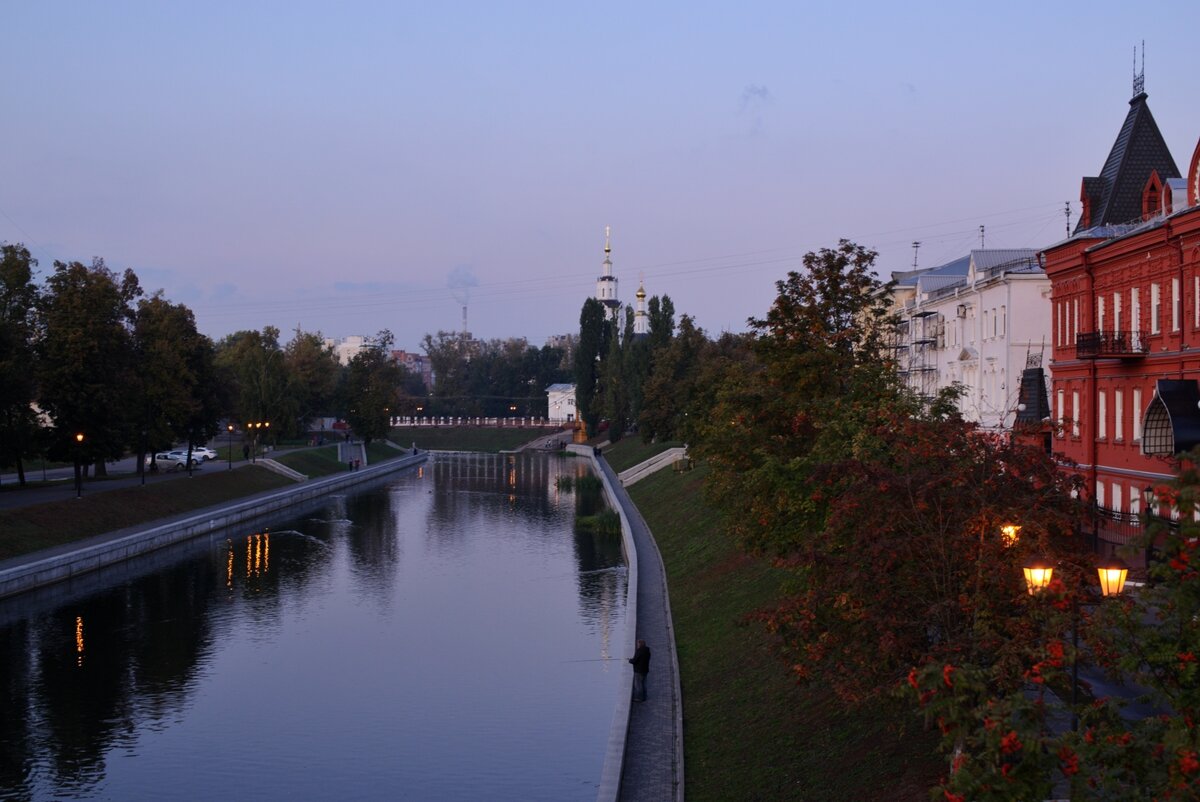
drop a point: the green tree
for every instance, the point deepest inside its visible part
(177, 394)
(615, 377)
(671, 389)
(313, 375)
(253, 366)
(85, 359)
(371, 389)
(18, 302)
(594, 334)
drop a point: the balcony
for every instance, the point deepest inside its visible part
(1119, 344)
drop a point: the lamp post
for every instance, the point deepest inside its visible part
(1147, 514)
(229, 428)
(1112, 574)
(78, 465)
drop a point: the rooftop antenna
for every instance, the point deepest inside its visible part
(1067, 212)
(1139, 78)
(981, 245)
(916, 247)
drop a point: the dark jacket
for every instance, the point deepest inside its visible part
(641, 660)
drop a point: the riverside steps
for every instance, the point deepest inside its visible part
(644, 761)
(73, 560)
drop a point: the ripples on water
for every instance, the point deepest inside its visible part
(441, 637)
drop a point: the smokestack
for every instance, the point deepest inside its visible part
(464, 328)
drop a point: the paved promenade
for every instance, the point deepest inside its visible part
(653, 766)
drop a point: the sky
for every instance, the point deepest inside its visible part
(352, 167)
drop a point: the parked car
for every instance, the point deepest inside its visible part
(173, 461)
(204, 453)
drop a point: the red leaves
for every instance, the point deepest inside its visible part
(948, 675)
(1010, 743)
(1068, 761)
(1188, 762)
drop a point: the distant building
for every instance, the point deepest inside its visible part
(641, 320)
(973, 322)
(416, 365)
(350, 347)
(606, 284)
(560, 403)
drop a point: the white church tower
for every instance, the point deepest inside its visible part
(606, 285)
(641, 320)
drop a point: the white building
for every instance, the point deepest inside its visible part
(560, 403)
(348, 348)
(974, 322)
(606, 283)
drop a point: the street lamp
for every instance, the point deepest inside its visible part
(78, 465)
(230, 455)
(1010, 534)
(1038, 573)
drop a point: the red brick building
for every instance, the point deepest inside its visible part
(1125, 296)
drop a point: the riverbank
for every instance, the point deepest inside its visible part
(750, 731)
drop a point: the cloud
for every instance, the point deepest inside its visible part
(460, 281)
(754, 95)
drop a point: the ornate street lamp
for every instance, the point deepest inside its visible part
(230, 429)
(1112, 576)
(1038, 574)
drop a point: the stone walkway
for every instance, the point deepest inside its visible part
(653, 765)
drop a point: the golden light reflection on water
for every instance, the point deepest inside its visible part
(258, 557)
(229, 567)
(79, 641)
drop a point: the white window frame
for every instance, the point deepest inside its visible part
(1155, 309)
(1062, 412)
(1116, 311)
(1118, 414)
(1100, 313)
(1175, 308)
(1137, 414)
(1115, 501)
(1102, 414)
(1099, 492)
(1074, 413)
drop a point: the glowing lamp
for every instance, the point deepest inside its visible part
(1112, 577)
(1038, 573)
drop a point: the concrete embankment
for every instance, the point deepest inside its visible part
(644, 758)
(41, 569)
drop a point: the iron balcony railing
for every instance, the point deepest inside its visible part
(1126, 344)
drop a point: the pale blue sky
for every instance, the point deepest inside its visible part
(332, 166)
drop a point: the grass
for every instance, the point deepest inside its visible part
(750, 732)
(469, 438)
(41, 526)
(313, 462)
(630, 451)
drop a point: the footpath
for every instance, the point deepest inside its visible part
(652, 764)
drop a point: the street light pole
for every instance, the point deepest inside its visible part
(78, 465)
(230, 454)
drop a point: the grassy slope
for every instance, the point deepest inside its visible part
(630, 451)
(750, 733)
(467, 438)
(29, 529)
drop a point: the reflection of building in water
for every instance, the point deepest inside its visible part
(79, 641)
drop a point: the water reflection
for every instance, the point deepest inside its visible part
(417, 640)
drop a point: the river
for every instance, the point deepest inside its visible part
(445, 635)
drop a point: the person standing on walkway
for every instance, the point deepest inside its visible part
(641, 667)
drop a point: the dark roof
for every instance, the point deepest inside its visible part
(1116, 195)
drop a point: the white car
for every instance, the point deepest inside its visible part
(203, 453)
(173, 461)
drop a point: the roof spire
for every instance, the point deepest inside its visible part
(1139, 78)
(607, 246)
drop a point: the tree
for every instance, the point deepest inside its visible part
(177, 391)
(818, 380)
(615, 377)
(85, 356)
(313, 375)
(254, 367)
(371, 389)
(671, 387)
(18, 302)
(594, 334)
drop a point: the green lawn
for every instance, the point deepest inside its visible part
(28, 529)
(630, 451)
(750, 732)
(313, 462)
(468, 438)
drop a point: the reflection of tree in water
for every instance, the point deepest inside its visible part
(94, 668)
(84, 677)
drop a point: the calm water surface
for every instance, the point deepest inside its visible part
(444, 636)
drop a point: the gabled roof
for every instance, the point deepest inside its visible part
(1116, 194)
(1015, 260)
